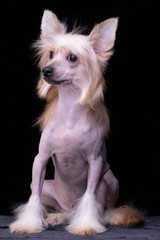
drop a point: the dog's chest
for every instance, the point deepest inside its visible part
(66, 136)
(69, 139)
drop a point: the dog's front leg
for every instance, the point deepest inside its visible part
(30, 216)
(86, 217)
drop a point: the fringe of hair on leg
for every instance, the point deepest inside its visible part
(86, 217)
(29, 217)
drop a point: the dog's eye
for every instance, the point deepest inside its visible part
(72, 58)
(51, 54)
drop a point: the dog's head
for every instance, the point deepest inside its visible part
(73, 58)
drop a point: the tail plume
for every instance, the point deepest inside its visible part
(124, 215)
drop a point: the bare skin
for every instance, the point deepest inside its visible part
(74, 130)
(75, 123)
(77, 154)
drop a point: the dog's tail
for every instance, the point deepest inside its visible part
(124, 215)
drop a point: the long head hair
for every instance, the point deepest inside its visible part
(93, 52)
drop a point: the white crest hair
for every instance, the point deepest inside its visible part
(94, 51)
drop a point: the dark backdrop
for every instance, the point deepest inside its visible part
(132, 96)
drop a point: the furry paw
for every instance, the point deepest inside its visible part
(30, 217)
(56, 219)
(86, 217)
(86, 231)
(18, 227)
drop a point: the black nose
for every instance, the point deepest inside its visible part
(47, 71)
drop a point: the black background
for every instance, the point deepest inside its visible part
(132, 95)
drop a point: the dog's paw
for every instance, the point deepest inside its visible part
(18, 227)
(86, 230)
(29, 217)
(56, 219)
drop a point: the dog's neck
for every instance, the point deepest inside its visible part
(68, 93)
(67, 105)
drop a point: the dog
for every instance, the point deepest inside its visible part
(74, 126)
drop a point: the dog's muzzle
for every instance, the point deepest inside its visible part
(48, 74)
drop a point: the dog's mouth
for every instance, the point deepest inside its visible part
(56, 82)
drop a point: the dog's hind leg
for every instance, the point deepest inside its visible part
(124, 215)
(48, 198)
(108, 190)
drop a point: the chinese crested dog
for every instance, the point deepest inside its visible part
(74, 126)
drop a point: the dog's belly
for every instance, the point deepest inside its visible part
(70, 177)
(72, 169)
(69, 160)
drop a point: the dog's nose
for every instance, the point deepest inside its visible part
(47, 71)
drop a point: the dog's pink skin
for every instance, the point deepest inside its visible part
(77, 147)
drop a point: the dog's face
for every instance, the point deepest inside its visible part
(64, 62)
(73, 58)
(62, 69)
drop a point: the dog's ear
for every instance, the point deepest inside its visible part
(102, 38)
(51, 25)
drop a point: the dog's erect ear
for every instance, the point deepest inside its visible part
(102, 38)
(51, 25)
